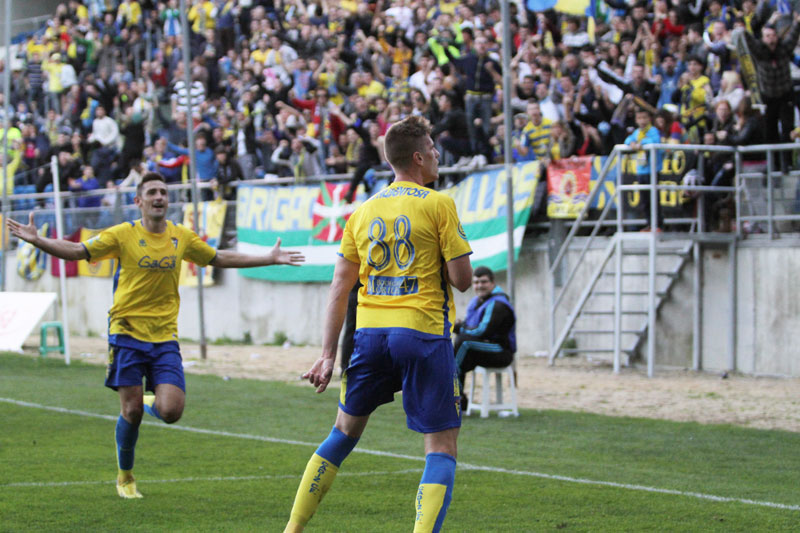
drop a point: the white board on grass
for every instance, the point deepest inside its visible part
(19, 314)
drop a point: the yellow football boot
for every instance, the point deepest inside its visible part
(126, 486)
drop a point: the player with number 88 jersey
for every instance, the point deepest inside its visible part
(407, 247)
(405, 235)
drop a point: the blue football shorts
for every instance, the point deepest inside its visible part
(385, 361)
(129, 360)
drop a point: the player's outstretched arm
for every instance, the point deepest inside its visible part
(345, 275)
(276, 256)
(67, 250)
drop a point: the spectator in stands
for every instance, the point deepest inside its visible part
(105, 136)
(480, 73)
(52, 72)
(383, 63)
(68, 169)
(162, 160)
(182, 97)
(85, 183)
(14, 159)
(34, 78)
(562, 142)
(325, 126)
(451, 132)
(206, 162)
(132, 129)
(643, 135)
(730, 90)
(487, 335)
(33, 147)
(694, 96)
(772, 58)
(535, 135)
(228, 172)
(371, 150)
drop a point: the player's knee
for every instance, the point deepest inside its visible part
(133, 413)
(171, 415)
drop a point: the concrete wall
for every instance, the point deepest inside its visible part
(767, 318)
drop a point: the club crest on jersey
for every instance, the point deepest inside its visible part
(175, 242)
(142, 242)
(461, 231)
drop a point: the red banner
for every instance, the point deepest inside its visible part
(568, 186)
(70, 267)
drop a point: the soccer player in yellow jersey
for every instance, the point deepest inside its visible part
(407, 247)
(143, 319)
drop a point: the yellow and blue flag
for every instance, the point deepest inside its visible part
(571, 7)
(587, 8)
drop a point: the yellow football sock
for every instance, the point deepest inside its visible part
(435, 492)
(317, 479)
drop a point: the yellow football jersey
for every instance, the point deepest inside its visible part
(537, 137)
(146, 299)
(402, 237)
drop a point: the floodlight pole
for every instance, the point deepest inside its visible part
(6, 126)
(505, 15)
(187, 79)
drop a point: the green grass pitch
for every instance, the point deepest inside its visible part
(233, 463)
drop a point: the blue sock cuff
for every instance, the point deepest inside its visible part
(152, 411)
(439, 468)
(336, 447)
(126, 436)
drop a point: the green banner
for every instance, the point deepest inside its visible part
(310, 219)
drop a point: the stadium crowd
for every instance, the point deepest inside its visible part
(307, 87)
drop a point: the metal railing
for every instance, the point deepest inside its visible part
(121, 207)
(762, 210)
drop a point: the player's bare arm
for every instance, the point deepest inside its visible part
(345, 275)
(276, 256)
(69, 251)
(459, 273)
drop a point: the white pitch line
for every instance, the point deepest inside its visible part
(463, 466)
(195, 479)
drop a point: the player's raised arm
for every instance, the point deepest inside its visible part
(276, 256)
(67, 250)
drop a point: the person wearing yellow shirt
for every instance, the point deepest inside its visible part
(370, 87)
(407, 247)
(695, 96)
(52, 71)
(129, 12)
(535, 138)
(202, 15)
(78, 10)
(15, 157)
(143, 319)
(259, 55)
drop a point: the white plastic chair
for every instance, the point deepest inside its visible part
(504, 409)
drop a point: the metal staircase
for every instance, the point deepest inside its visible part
(609, 311)
(610, 319)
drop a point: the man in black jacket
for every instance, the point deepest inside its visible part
(228, 171)
(487, 337)
(451, 130)
(481, 72)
